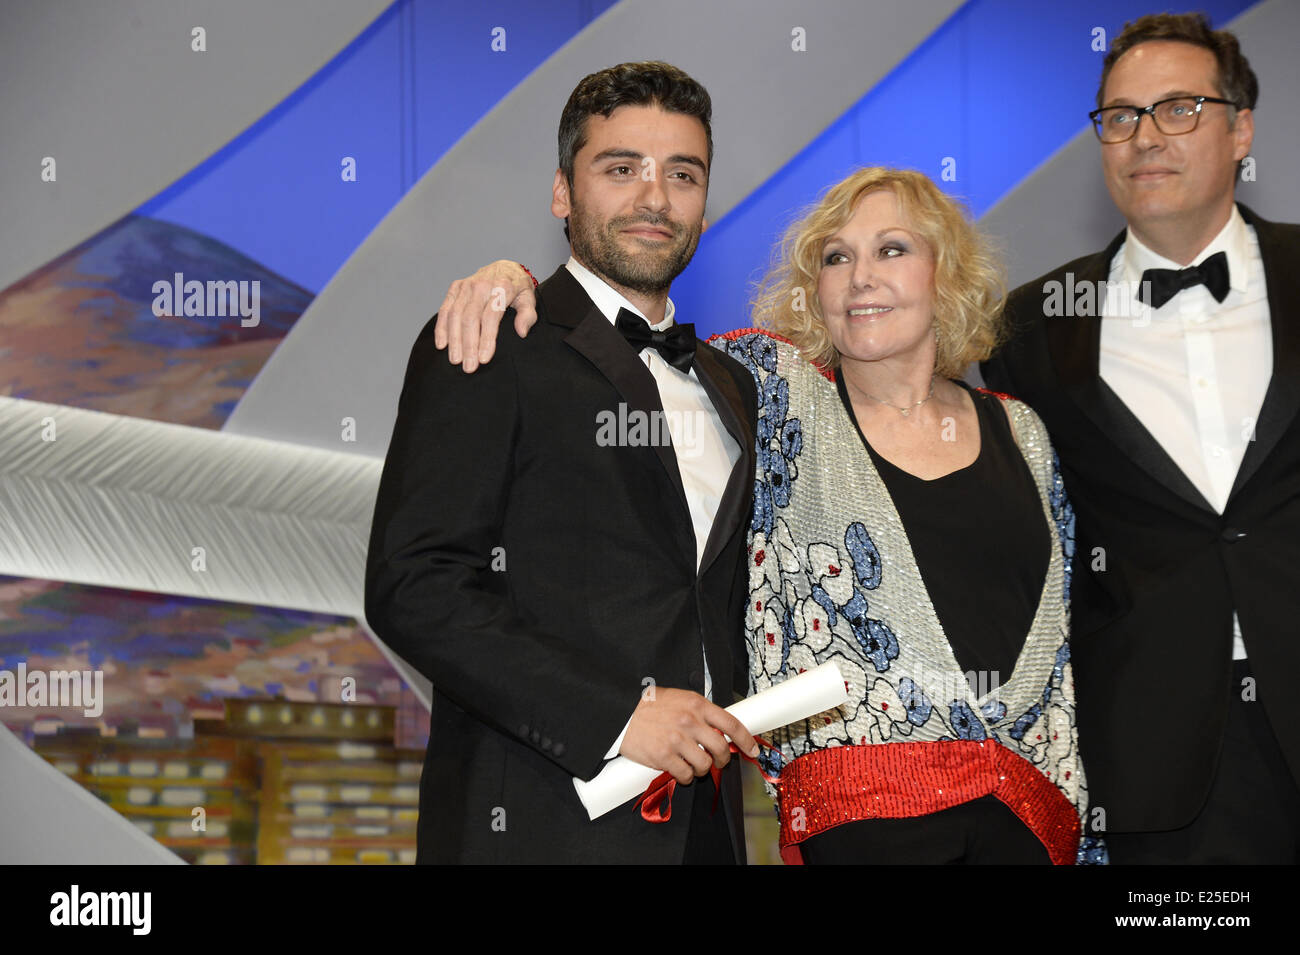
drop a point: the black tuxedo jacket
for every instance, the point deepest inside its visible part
(540, 579)
(1157, 572)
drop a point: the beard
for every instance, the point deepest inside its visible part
(649, 271)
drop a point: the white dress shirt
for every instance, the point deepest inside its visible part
(1195, 370)
(705, 451)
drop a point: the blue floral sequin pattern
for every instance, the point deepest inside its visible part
(1093, 851)
(866, 558)
(964, 721)
(918, 704)
(878, 643)
(779, 437)
(1063, 516)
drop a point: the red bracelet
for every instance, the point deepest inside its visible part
(529, 274)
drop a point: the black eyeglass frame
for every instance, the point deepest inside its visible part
(1095, 116)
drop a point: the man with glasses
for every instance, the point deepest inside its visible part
(1172, 396)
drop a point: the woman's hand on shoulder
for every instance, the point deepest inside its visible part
(469, 320)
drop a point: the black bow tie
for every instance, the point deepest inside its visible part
(1166, 283)
(675, 346)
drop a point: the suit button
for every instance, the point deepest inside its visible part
(557, 749)
(546, 742)
(1232, 534)
(536, 737)
(523, 730)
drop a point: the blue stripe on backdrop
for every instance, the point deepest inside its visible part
(995, 91)
(396, 99)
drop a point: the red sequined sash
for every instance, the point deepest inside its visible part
(828, 787)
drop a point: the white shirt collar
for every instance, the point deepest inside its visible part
(608, 300)
(1232, 239)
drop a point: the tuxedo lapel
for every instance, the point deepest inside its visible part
(562, 301)
(722, 391)
(1282, 400)
(1075, 347)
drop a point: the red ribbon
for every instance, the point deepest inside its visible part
(656, 803)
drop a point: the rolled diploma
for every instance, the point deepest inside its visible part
(809, 693)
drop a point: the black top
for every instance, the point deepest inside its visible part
(981, 542)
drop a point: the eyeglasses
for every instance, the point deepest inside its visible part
(1173, 117)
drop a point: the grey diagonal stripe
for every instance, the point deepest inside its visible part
(489, 197)
(113, 92)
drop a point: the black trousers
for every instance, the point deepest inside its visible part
(709, 839)
(1252, 814)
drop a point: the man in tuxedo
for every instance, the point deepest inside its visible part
(557, 541)
(1181, 453)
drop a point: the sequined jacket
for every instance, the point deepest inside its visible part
(832, 578)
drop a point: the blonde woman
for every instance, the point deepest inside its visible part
(914, 531)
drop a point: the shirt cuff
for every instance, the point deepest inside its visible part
(613, 750)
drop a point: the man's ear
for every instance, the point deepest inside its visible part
(704, 224)
(560, 198)
(1243, 133)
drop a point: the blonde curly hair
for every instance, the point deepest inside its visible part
(969, 278)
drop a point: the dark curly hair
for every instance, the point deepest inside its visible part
(1236, 81)
(651, 83)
